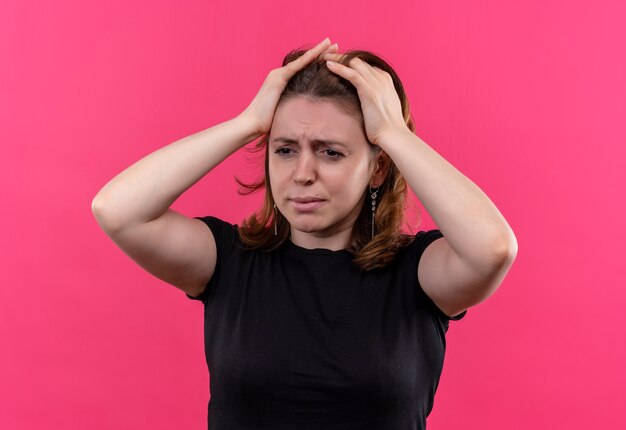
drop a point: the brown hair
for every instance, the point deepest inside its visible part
(316, 81)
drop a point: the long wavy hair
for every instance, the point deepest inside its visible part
(316, 81)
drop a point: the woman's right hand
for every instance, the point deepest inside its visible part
(261, 110)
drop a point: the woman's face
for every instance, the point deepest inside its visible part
(320, 165)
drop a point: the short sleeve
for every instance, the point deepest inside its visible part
(225, 235)
(422, 240)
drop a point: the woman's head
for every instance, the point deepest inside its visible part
(317, 148)
(316, 151)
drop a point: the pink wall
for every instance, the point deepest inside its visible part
(527, 99)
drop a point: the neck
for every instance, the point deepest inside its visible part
(335, 241)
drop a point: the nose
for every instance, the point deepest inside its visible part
(306, 169)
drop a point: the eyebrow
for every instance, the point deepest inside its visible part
(315, 141)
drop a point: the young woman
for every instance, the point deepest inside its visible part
(319, 312)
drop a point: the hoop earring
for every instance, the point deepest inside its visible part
(373, 194)
(275, 226)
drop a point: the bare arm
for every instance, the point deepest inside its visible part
(133, 208)
(146, 189)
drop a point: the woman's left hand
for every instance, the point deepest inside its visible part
(380, 104)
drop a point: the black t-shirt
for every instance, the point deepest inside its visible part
(304, 339)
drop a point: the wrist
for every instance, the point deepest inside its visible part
(393, 135)
(248, 126)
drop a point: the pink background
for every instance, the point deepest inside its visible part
(527, 99)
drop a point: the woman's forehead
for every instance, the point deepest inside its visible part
(302, 119)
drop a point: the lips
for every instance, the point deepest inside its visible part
(306, 204)
(306, 199)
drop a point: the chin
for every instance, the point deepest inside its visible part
(308, 226)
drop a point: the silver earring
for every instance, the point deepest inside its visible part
(373, 194)
(275, 226)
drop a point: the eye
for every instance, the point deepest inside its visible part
(333, 154)
(283, 151)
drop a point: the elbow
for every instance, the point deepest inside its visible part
(505, 251)
(103, 215)
(98, 207)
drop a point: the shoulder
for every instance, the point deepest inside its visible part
(221, 229)
(430, 250)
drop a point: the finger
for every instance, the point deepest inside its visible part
(356, 71)
(356, 63)
(307, 57)
(382, 73)
(333, 56)
(346, 72)
(364, 67)
(331, 49)
(316, 51)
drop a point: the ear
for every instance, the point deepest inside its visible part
(381, 169)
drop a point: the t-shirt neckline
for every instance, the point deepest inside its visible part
(315, 251)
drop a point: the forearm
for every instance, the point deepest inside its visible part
(146, 189)
(471, 223)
